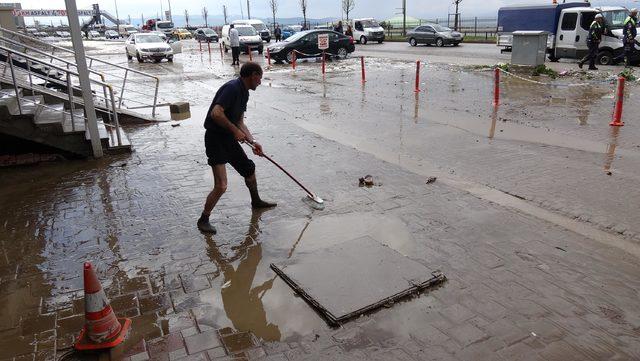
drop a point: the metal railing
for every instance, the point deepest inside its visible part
(107, 73)
(22, 76)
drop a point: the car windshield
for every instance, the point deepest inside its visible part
(209, 31)
(259, 27)
(149, 39)
(615, 18)
(440, 28)
(165, 25)
(296, 36)
(246, 31)
(369, 24)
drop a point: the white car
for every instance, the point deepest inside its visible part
(147, 46)
(94, 34)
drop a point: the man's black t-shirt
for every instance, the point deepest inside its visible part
(233, 97)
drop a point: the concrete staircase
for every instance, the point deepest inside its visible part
(52, 125)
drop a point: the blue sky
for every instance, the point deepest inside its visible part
(380, 9)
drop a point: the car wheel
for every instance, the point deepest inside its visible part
(363, 40)
(605, 57)
(289, 57)
(439, 42)
(170, 60)
(413, 42)
(157, 60)
(456, 44)
(129, 57)
(342, 53)
(379, 41)
(553, 58)
(139, 58)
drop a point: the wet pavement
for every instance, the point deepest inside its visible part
(538, 242)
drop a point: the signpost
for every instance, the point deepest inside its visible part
(323, 44)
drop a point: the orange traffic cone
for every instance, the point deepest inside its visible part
(101, 327)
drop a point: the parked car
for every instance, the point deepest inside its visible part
(287, 31)
(94, 34)
(249, 38)
(182, 34)
(257, 24)
(206, 34)
(145, 46)
(111, 34)
(306, 42)
(433, 34)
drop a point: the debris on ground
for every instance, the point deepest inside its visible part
(366, 181)
(430, 180)
(175, 125)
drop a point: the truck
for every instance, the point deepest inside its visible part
(567, 25)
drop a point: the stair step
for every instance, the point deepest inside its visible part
(102, 130)
(113, 139)
(9, 92)
(30, 103)
(48, 115)
(78, 121)
(11, 103)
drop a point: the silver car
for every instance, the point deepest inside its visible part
(433, 34)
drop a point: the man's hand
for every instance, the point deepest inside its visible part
(257, 149)
(239, 135)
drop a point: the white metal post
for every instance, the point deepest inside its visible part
(83, 75)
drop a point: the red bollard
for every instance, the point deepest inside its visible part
(323, 68)
(617, 111)
(496, 87)
(364, 78)
(268, 57)
(417, 90)
(293, 63)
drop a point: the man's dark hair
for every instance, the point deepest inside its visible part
(249, 68)
(231, 26)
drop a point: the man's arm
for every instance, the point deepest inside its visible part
(257, 148)
(218, 116)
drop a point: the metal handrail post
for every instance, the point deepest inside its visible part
(70, 92)
(30, 79)
(15, 84)
(126, 72)
(155, 98)
(115, 115)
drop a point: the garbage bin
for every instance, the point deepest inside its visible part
(529, 47)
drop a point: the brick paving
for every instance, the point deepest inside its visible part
(518, 288)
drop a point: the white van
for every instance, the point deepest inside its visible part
(249, 38)
(257, 24)
(366, 29)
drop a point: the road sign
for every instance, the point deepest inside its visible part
(323, 41)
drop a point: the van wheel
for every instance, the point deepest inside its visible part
(379, 41)
(605, 57)
(553, 58)
(439, 42)
(413, 42)
(226, 50)
(363, 40)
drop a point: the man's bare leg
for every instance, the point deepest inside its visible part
(219, 187)
(256, 202)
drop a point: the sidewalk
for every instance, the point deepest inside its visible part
(518, 288)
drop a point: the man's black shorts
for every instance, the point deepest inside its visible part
(222, 149)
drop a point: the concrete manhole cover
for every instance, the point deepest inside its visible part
(354, 277)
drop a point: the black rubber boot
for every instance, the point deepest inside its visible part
(205, 226)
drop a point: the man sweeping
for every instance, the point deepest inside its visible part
(225, 130)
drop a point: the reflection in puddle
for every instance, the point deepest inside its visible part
(611, 148)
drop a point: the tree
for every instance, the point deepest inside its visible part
(274, 8)
(347, 6)
(303, 6)
(205, 15)
(455, 19)
(186, 16)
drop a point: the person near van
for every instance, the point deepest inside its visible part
(629, 33)
(593, 42)
(277, 32)
(349, 31)
(225, 130)
(338, 27)
(234, 42)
